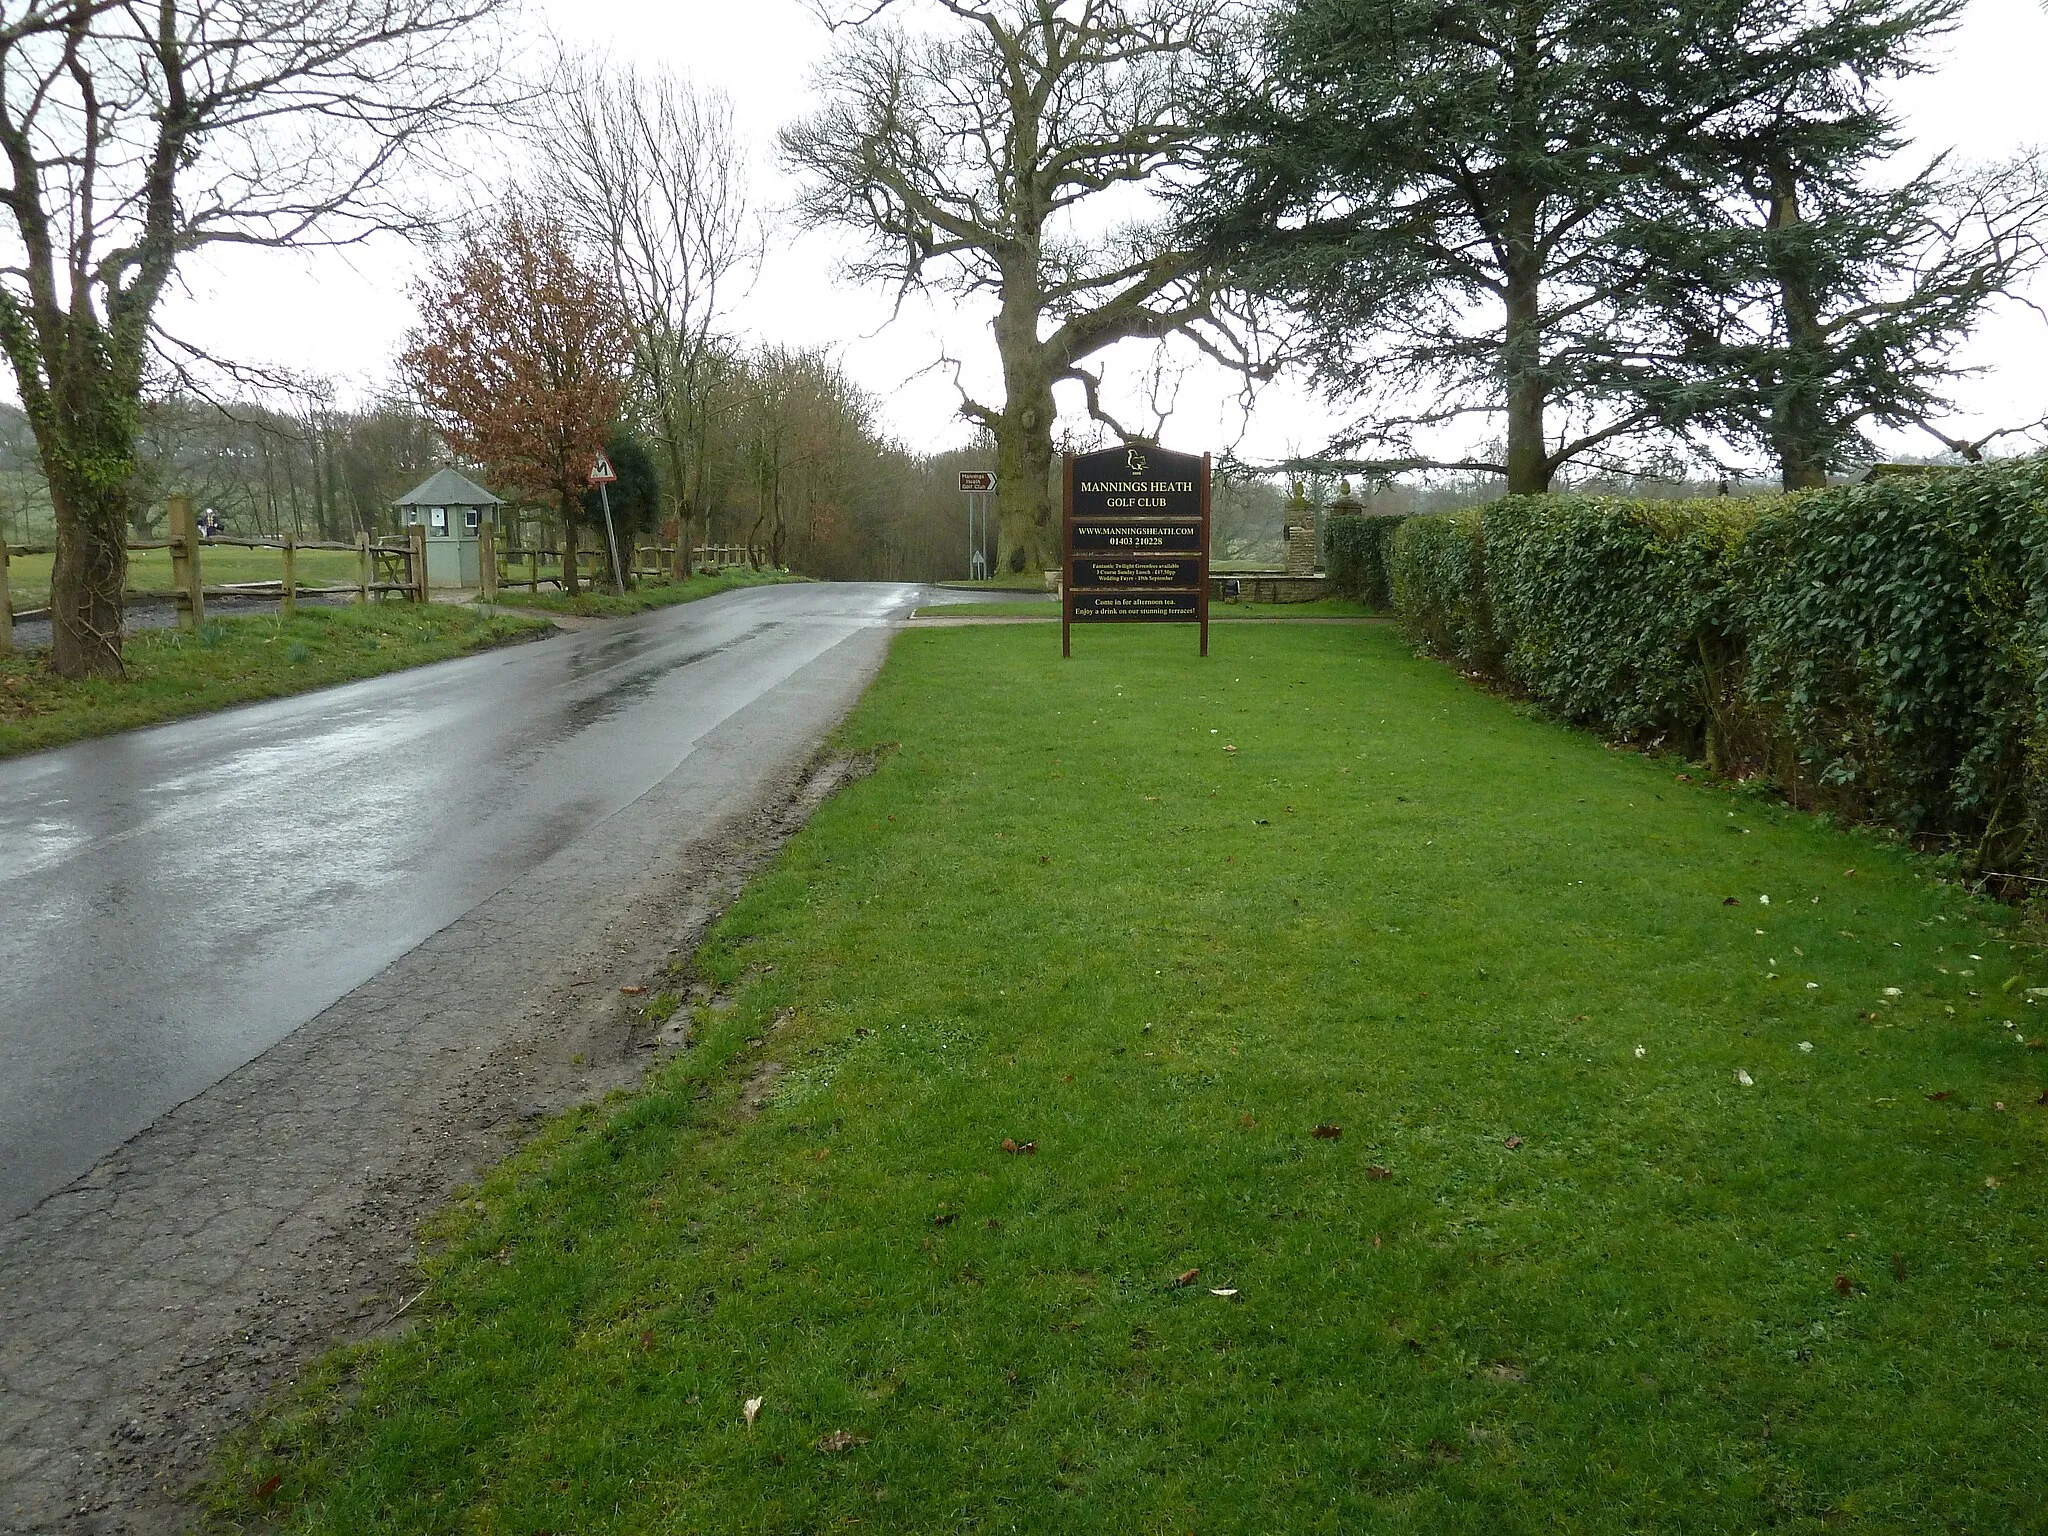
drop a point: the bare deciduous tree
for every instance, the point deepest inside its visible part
(134, 133)
(1011, 156)
(651, 173)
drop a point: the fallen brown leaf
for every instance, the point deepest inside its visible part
(1946, 1093)
(1016, 1147)
(840, 1440)
(647, 1338)
(1730, 901)
(1328, 1132)
(269, 1485)
(1842, 1285)
(1377, 1172)
(1246, 1120)
(632, 991)
(945, 1218)
(1512, 1142)
(1186, 1277)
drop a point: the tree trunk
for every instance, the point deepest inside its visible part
(1522, 354)
(1028, 537)
(85, 438)
(86, 582)
(1798, 424)
(572, 582)
(1027, 533)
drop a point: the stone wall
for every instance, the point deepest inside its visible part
(1267, 587)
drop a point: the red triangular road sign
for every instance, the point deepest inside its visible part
(601, 472)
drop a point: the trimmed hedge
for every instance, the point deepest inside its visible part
(1880, 650)
(1356, 552)
(1438, 577)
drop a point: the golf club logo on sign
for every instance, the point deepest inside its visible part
(1148, 509)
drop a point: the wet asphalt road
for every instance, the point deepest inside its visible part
(179, 899)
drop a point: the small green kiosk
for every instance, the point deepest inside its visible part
(452, 508)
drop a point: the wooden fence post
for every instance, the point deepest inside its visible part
(185, 573)
(533, 571)
(288, 590)
(363, 571)
(6, 604)
(487, 560)
(417, 563)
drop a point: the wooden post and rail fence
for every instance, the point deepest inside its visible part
(654, 561)
(384, 568)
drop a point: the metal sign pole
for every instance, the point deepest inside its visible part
(611, 538)
(977, 485)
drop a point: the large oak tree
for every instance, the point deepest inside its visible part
(1010, 153)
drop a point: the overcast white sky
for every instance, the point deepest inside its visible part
(344, 314)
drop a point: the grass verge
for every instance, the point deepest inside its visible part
(659, 594)
(172, 674)
(1424, 1124)
(1008, 581)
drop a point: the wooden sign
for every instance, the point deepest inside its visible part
(1137, 540)
(977, 482)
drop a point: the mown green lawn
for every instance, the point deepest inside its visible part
(1420, 1134)
(649, 594)
(172, 674)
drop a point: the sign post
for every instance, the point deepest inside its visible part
(977, 485)
(1137, 540)
(602, 475)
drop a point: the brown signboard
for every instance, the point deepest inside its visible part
(1137, 540)
(977, 482)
